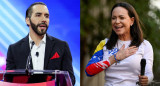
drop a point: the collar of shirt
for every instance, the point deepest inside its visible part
(42, 41)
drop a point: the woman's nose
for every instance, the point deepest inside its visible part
(117, 21)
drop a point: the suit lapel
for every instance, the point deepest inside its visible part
(48, 49)
(26, 48)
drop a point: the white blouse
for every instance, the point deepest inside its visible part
(126, 72)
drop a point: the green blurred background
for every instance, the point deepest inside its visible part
(95, 25)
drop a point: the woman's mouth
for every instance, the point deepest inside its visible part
(118, 27)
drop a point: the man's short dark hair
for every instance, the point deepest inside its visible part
(29, 10)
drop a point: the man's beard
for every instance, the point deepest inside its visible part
(35, 28)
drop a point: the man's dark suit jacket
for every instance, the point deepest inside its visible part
(18, 53)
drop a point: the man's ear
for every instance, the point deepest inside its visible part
(27, 21)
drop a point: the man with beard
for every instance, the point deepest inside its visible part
(47, 52)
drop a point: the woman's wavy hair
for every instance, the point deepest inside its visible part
(136, 30)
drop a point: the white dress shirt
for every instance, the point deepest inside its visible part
(38, 60)
(126, 72)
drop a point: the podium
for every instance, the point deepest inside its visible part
(34, 78)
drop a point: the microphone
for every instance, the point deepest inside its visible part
(37, 54)
(29, 59)
(143, 64)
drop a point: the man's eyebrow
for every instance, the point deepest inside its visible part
(38, 13)
(46, 13)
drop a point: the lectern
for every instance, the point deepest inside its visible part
(34, 78)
